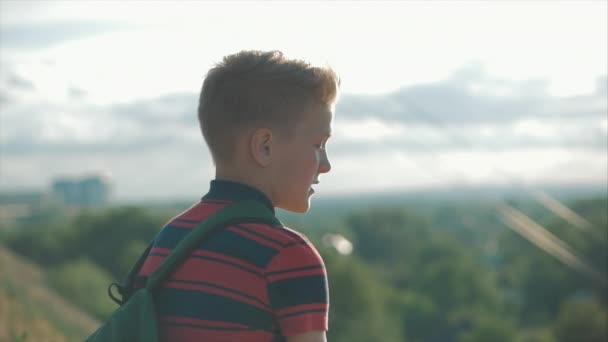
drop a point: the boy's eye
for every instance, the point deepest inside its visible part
(321, 145)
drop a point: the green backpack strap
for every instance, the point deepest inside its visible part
(243, 211)
(127, 288)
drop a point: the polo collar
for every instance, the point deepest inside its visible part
(234, 191)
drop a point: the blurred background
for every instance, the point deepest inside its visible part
(468, 195)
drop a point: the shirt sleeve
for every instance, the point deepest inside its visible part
(298, 290)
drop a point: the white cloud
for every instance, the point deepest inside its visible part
(377, 47)
(98, 101)
(390, 170)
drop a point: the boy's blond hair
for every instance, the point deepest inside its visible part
(256, 88)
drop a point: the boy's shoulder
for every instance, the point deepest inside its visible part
(283, 235)
(284, 247)
(290, 233)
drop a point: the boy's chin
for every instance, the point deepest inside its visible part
(299, 208)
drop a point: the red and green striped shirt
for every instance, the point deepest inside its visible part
(249, 282)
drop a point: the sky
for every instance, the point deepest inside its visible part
(433, 94)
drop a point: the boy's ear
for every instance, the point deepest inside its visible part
(260, 146)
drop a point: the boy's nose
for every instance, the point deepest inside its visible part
(325, 165)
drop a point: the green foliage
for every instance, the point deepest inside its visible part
(421, 272)
(130, 254)
(46, 245)
(112, 239)
(541, 334)
(488, 328)
(437, 284)
(22, 325)
(358, 301)
(84, 284)
(111, 235)
(418, 314)
(392, 241)
(29, 311)
(380, 233)
(455, 283)
(582, 321)
(539, 282)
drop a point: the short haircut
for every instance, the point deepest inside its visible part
(252, 89)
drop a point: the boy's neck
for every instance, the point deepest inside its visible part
(246, 178)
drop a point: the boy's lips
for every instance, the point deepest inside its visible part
(312, 190)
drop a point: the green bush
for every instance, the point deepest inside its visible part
(84, 284)
(358, 310)
(490, 327)
(582, 321)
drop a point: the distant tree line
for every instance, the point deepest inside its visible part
(407, 279)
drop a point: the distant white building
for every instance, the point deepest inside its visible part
(90, 191)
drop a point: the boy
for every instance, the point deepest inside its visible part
(266, 120)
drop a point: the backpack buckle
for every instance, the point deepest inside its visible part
(120, 290)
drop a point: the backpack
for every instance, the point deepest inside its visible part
(135, 319)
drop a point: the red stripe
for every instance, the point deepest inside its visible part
(303, 307)
(152, 261)
(182, 224)
(188, 320)
(229, 259)
(223, 275)
(213, 255)
(296, 236)
(209, 289)
(296, 274)
(298, 256)
(313, 321)
(275, 233)
(203, 270)
(187, 334)
(201, 211)
(255, 238)
(160, 250)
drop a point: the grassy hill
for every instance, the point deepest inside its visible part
(30, 311)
